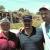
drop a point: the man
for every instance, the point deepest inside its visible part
(29, 39)
(45, 26)
(8, 40)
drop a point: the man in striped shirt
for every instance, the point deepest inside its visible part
(29, 38)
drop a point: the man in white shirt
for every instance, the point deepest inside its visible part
(45, 26)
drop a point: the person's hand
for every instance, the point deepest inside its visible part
(21, 29)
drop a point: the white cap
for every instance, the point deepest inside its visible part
(4, 20)
(45, 6)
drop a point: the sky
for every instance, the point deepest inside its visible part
(31, 5)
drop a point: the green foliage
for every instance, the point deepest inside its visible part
(21, 9)
(2, 8)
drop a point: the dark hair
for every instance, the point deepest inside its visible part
(43, 8)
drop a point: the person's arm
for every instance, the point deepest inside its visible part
(39, 34)
(18, 43)
(40, 37)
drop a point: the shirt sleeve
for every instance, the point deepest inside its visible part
(40, 33)
(42, 40)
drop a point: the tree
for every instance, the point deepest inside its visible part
(2, 8)
(21, 9)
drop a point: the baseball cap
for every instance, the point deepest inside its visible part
(27, 17)
(4, 20)
(44, 7)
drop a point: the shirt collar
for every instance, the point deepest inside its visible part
(2, 35)
(33, 32)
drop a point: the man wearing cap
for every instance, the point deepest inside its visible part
(29, 39)
(45, 26)
(8, 40)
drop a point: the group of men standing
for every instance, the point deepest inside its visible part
(29, 38)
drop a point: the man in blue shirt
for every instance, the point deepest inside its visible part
(29, 39)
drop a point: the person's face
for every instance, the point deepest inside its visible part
(27, 23)
(5, 26)
(45, 15)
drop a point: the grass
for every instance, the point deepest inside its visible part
(16, 25)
